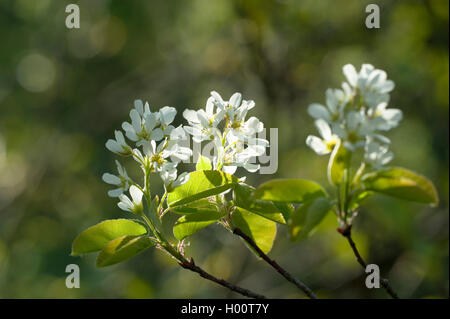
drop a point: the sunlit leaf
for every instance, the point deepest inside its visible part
(243, 198)
(203, 164)
(289, 190)
(358, 198)
(122, 248)
(307, 217)
(201, 184)
(261, 230)
(194, 207)
(96, 237)
(402, 183)
(190, 224)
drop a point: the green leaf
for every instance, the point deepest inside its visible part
(402, 183)
(289, 190)
(190, 224)
(307, 217)
(243, 198)
(122, 248)
(358, 198)
(194, 207)
(339, 162)
(201, 184)
(203, 164)
(96, 237)
(261, 230)
(286, 209)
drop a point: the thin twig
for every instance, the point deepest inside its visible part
(384, 282)
(274, 264)
(189, 264)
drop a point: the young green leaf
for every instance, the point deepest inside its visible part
(402, 183)
(338, 163)
(190, 224)
(96, 237)
(307, 217)
(289, 190)
(203, 164)
(194, 207)
(261, 230)
(201, 184)
(122, 248)
(358, 198)
(242, 194)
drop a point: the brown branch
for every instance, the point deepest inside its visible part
(275, 265)
(189, 264)
(347, 233)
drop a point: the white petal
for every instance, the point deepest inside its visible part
(124, 206)
(191, 116)
(119, 137)
(350, 74)
(317, 145)
(113, 146)
(111, 179)
(387, 86)
(229, 169)
(167, 115)
(150, 121)
(136, 194)
(138, 105)
(210, 106)
(157, 134)
(115, 192)
(136, 121)
(178, 134)
(235, 100)
(324, 129)
(318, 111)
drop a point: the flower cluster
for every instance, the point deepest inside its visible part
(235, 138)
(157, 149)
(356, 115)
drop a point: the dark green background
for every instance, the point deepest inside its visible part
(63, 92)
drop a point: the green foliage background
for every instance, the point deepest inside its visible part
(63, 92)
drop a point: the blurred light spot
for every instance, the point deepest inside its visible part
(36, 73)
(108, 36)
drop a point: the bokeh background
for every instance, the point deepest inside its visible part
(63, 92)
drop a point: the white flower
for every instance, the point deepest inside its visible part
(203, 123)
(355, 129)
(173, 147)
(143, 124)
(134, 205)
(377, 155)
(371, 83)
(122, 181)
(118, 146)
(325, 144)
(167, 115)
(247, 129)
(384, 118)
(168, 173)
(236, 144)
(336, 100)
